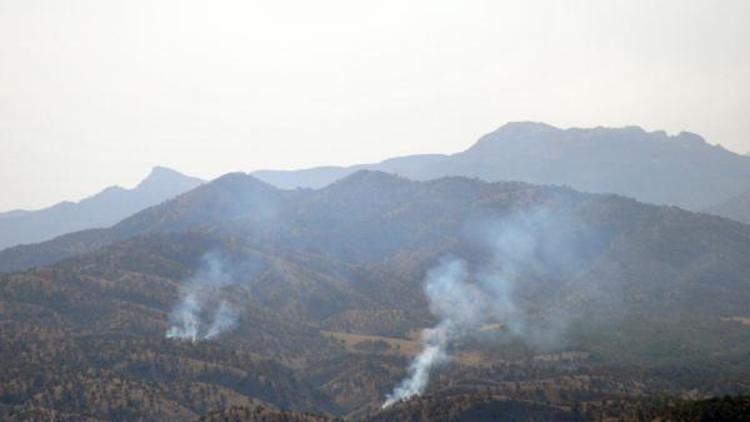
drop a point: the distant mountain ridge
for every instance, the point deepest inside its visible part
(328, 286)
(368, 217)
(100, 210)
(653, 167)
(736, 208)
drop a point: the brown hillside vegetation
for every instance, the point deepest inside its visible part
(328, 287)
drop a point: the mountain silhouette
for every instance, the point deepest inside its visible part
(100, 210)
(653, 167)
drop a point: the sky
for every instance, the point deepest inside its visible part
(95, 93)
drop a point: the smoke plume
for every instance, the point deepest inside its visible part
(204, 311)
(465, 298)
(435, 341)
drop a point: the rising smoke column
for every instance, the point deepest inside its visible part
(466, 301)
(459, 304)
(202, 313)
(435, 341)
(185, 319)
(224, 319)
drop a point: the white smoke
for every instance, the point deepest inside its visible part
(225, 318)
(435, 341)
(465, 300)
(185, 319)
(458, 303)
(203, 313)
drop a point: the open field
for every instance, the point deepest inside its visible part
(742, 320)
(397, 346)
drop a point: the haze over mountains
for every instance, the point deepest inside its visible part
(328, 293)
(446, 260)
(371, 216)
(653, 167)
(678, 170)
(100, 210)
(236, 298)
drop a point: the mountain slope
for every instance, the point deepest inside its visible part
(228, 196)
(101, 210)
(736, 208)
(329, 293)
(653, 167)
(370, 217)
(352, 219)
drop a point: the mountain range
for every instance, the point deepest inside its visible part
(581, 271)
(100, 210)
(654, 167)
(616, 300)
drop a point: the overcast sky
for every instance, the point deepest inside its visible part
(95, 93)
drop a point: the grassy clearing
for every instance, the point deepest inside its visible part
(399, 346)
(740, 319)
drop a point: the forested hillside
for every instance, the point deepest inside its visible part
(326, 289)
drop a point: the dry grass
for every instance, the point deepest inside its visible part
(396, 345)
(740, 319)
(400, 346)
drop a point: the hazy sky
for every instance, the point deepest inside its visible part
(95, 93)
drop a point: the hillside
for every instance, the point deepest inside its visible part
(371, 216)
(653, 167)
(736, 208)
(100, 210)
(326, 289)
(484, 406)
